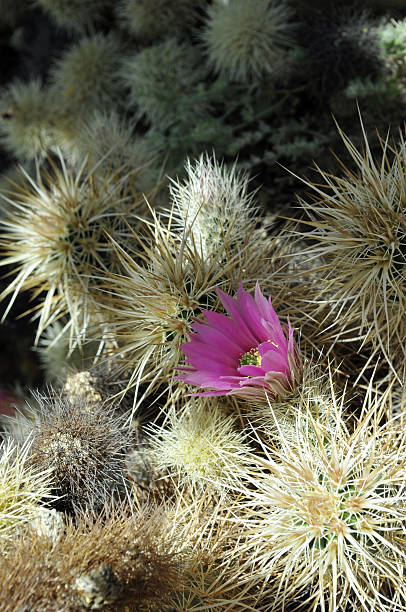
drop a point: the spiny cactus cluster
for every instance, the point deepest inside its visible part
(221, 421)
(281, 478)
(241, 77)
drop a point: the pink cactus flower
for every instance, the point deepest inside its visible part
(248, 355)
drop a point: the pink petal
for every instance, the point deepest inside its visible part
(291, 342)
(208, 393)
(257, 381)
(251, 370)
(275, 362)
(195, 351)
(234, 312)
(215, 337)
(229, 328)
(251, 315)
(275, 334)
(264, 308)
(205, 379)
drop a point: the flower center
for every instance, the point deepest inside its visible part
(251, 358)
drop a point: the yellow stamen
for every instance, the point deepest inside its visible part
(251, 358)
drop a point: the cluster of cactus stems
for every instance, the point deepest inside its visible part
(223, 421)
(245, 74)
(213, 448)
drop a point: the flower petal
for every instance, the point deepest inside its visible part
(251, 370)
(229, 328)
(196, 351)
(233, 309)
(217, 338)
(205, 379)
(274, 361)
(251, 315)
